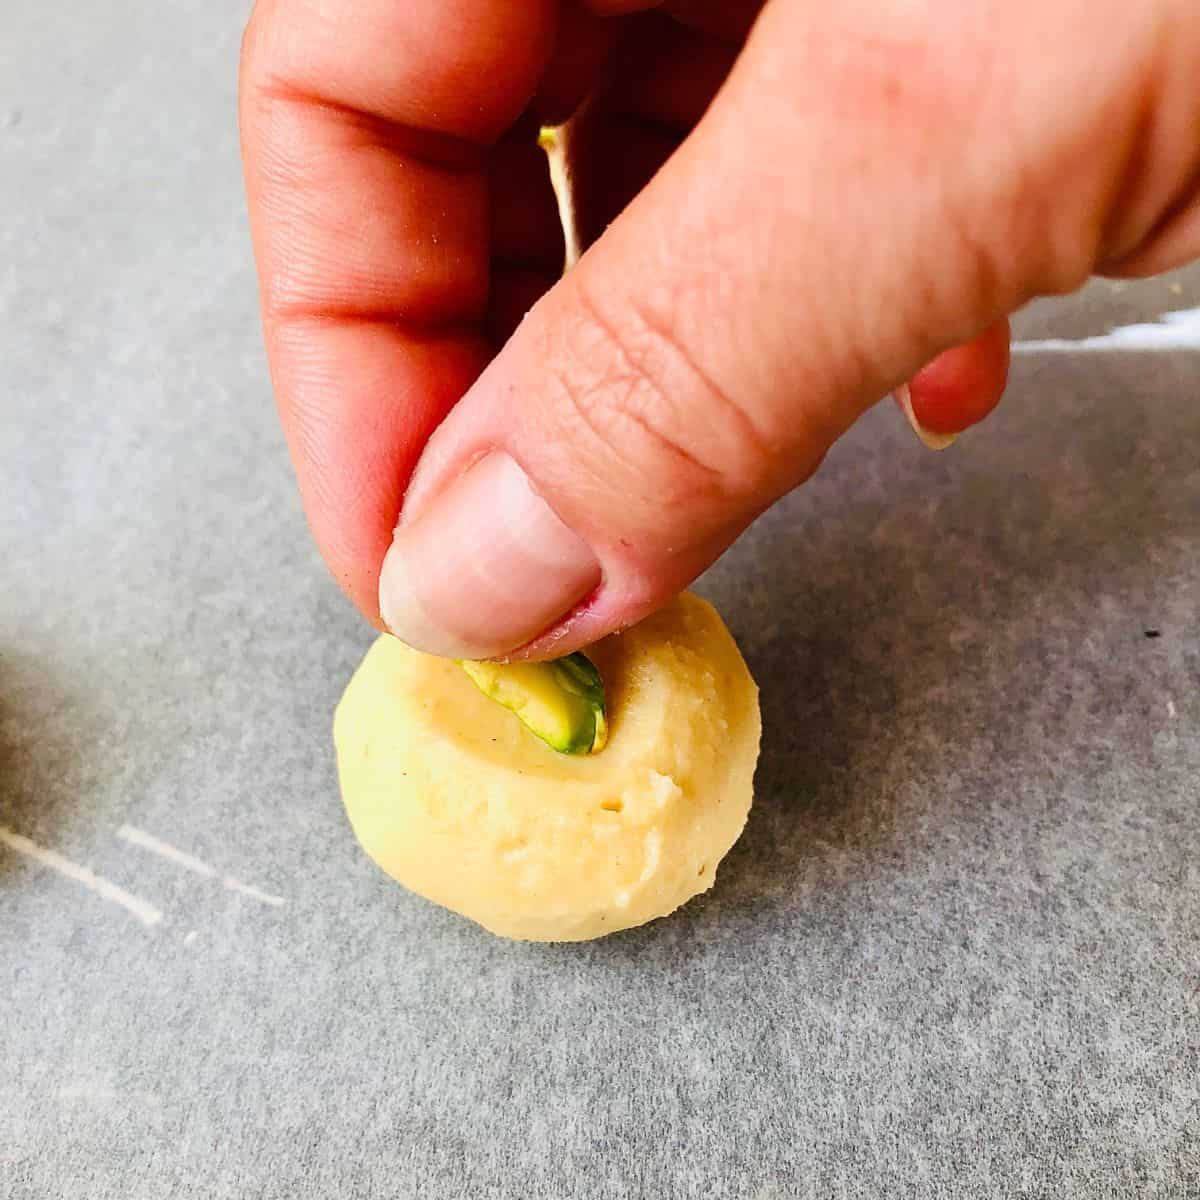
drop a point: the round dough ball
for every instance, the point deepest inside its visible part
(451, 795)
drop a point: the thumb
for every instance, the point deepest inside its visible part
(783, 271)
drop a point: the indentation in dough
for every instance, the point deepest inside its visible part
(613, 806)
(514, 849)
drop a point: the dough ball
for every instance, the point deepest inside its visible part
(451, 795)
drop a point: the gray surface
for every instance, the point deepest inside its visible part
(956, 953)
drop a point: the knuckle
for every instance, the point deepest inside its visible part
(630, 380)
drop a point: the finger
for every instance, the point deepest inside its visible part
(670, 387)
(960, 387)
(620, 8)
(612, 158)
(367, 175)
(1173, 243)
(581, 52)
(730, 20)
(1157, 227)
(666, 73)
(659, 82)
(777, 276)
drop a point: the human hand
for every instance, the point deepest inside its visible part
(873, 185)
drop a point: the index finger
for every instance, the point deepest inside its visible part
(365, 130)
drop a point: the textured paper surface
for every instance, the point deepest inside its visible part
(956, 953)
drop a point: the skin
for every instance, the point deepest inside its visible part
(790, 212)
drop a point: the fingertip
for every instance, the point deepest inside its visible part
(358, 402)
(963, 385)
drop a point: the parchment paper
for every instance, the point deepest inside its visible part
(957, 951)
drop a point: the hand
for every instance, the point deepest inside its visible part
(873, 184)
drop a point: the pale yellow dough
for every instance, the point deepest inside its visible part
(450, 794)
